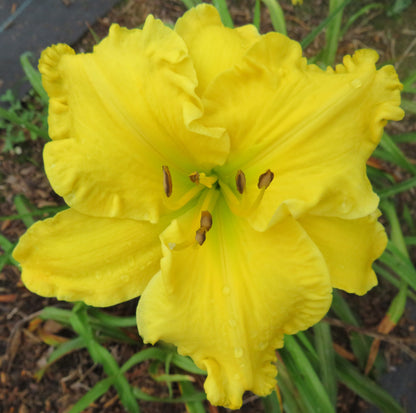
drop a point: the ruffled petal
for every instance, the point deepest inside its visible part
(119, 114)
(313, 129)
(101, 261)
(349, 248)
(213, 47)
(228, 302)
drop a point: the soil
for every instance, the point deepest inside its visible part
(23, 351)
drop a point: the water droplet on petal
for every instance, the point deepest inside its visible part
(232, 322)
(356, 83)
(171, 245)
(346, 206)
(261, 346)
(226, 290)
(238, 352)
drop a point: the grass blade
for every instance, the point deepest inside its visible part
(400, 264)
(326, 355)
(276, 15)
(97, 391)
(398, 188)
(187, 390)
(271, 403)
(33, 76)
(396, 155)
(21, 203)
(257, 14)
(222, 8)
(308, 383)
(332, 33)
(12, 117)
(311, 36)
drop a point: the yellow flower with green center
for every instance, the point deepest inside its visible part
(216, 174)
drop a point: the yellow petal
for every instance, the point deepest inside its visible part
(213, 47)
(119, 114)
(228, 302)
(349, 248)
(101, 261)
(313, 129)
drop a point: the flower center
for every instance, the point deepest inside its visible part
(241, 205)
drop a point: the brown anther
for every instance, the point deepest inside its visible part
(240, 181)
(200, 236)
(167, 181)
(265, 179)
(194, 177)
(206, 220)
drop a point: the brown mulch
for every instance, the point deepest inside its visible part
(23, 350)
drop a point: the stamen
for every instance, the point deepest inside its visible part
(200, 236)
(206, 220)
(194, 177)
(240, 181)
(265, 179)
(167, 181)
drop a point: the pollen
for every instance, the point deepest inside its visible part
(200, 235)
(240, 181)
(167, 181)
(194, 177)
(206, 220)
(265, 179)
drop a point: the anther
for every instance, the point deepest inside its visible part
(200, 236)
(167, 181)
(194, 177)
(265, 179)
(206, 220)
(240, 181)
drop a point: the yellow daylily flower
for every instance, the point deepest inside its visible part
(216, 174)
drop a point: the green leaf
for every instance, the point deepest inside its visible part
(257, 14)
(271, 403)
(308, 384)
(141, 395)
(188, 390)
(190, 3)
(326, 355)
(23, 207)
(360, 345)
(35, 212)
(33, 76)
(276, 15)
(61, 351)
(396, 155)
(332, 33)
(364, 10)
(92, 395)
(18, 121)
(185, 363)
(225, 15)
(400, 264)
(111, 320)
(311, 36)
(173, 377)
(408, 106)
(79, 322)
(398, 188)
